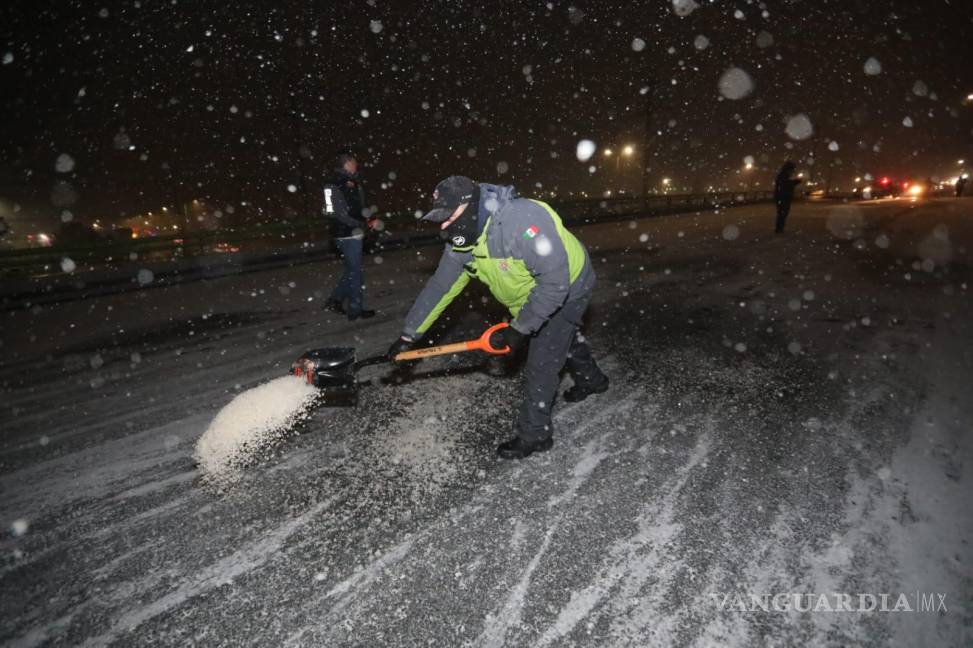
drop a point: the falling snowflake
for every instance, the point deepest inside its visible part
(64, 163)
(799, 127)
(684, 7)
(585, 149)
(873, 67)
(735, 83)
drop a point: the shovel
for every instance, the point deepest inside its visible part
(333, 369)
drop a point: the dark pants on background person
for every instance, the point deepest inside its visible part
(350, 285)
(783, 209)
(556, 343)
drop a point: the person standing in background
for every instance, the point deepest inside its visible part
(344, 201)
(784, 186)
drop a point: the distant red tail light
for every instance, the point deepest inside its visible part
(884, 181)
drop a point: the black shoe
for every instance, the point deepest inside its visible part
(579, 392)
(517, 448)
(365, 314)
(335, 306)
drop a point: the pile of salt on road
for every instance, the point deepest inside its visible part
(249, 425)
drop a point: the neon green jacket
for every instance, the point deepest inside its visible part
(524, 255)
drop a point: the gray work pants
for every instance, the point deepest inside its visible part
(556, 343)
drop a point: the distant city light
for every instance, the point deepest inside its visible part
(608, 152)
(628, 150)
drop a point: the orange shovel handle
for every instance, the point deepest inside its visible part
(482, 343)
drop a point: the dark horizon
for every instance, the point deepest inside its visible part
(160, 103)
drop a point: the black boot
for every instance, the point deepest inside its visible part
(365, 314)
(518, 448)
(580, 391)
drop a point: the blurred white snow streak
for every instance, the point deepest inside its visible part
(249, 425)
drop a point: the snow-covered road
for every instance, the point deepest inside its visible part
(788, 415)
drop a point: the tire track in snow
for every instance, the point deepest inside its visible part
(499, 622)
(219, 573)
(625, 568)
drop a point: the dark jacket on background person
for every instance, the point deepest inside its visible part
(344, 201)
(784, 184)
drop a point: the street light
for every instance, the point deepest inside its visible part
(608, 152)
(628, 150)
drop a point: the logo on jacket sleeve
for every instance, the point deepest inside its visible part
(531, 232)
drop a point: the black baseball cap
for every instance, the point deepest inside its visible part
(450, 194)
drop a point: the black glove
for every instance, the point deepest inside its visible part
(400, 345)
(508, 336)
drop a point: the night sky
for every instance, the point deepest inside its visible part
(244, 103)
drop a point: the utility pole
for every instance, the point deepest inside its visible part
(649, 85)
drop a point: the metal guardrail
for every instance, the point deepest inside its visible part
(291, 239)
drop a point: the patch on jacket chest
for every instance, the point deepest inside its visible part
(531, 232)
(503, 265)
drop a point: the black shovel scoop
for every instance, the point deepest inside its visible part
(334, 369)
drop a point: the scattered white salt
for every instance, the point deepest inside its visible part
(250, 424)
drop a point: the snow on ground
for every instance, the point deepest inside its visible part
(787, 414)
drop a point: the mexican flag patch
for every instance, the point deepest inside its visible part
(531, 232)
